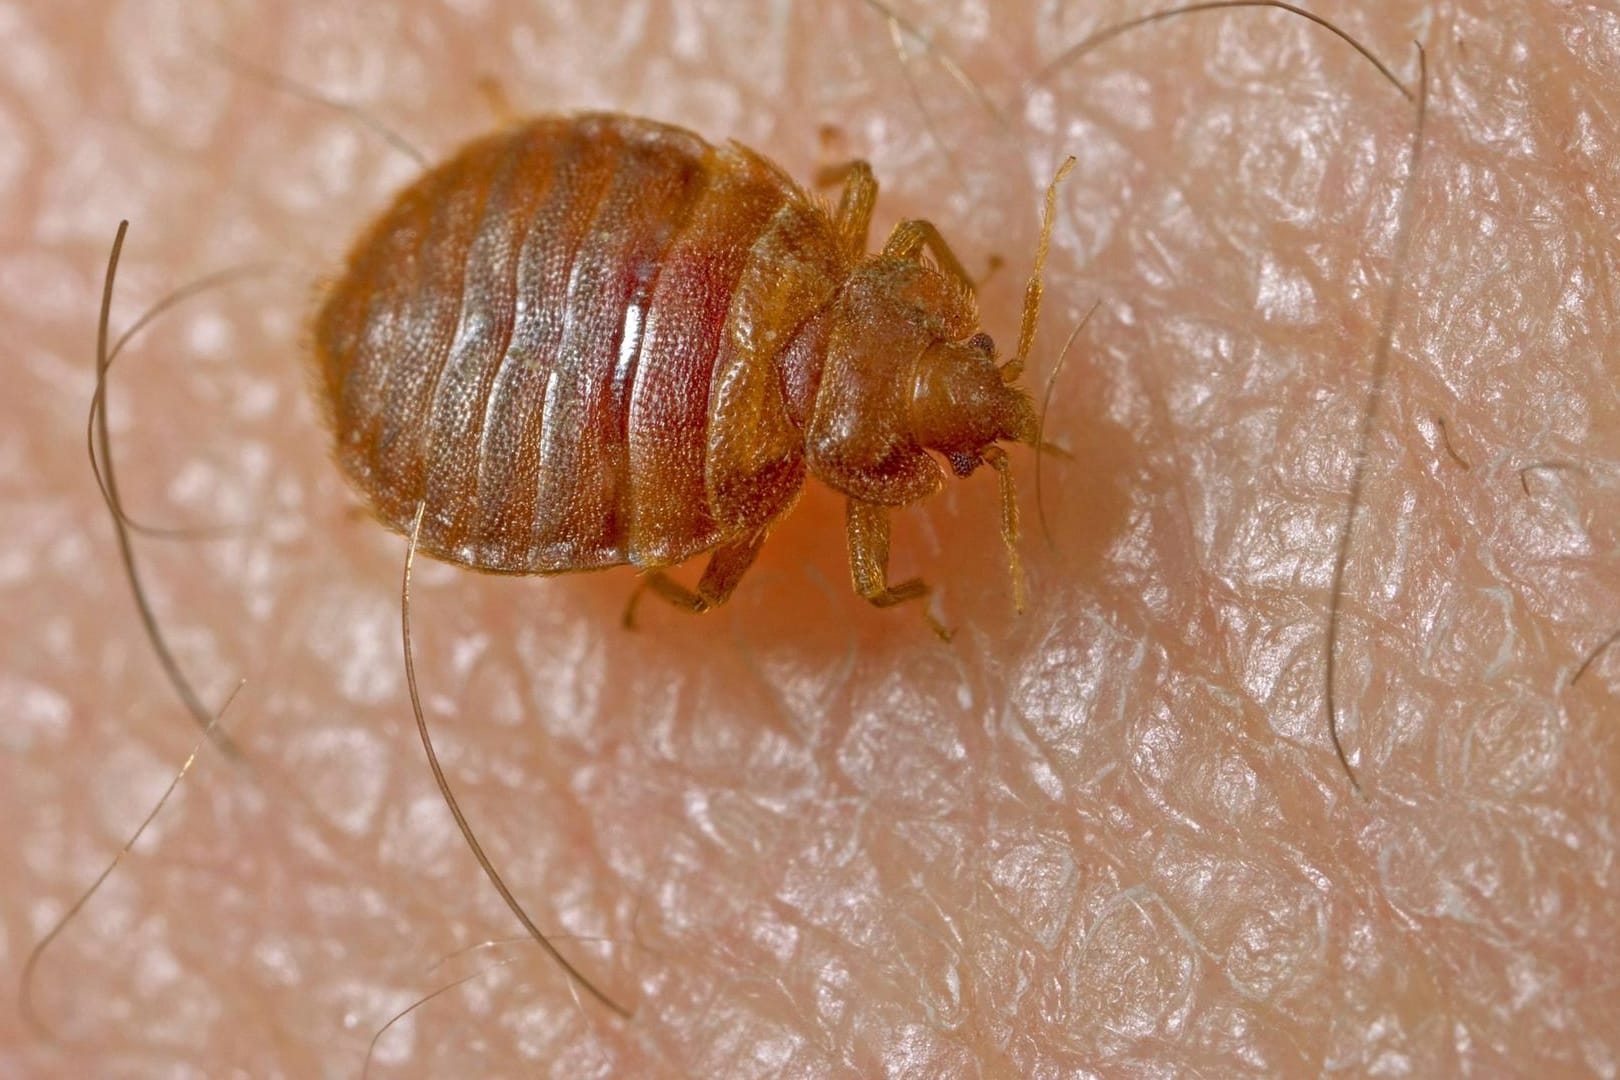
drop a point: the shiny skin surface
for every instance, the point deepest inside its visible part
(1106, 832)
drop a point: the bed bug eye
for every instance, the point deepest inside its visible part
(981, 343)
(964, 464)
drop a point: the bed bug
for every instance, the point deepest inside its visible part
(589, 340)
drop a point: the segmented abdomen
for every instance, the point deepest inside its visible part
(526, 340)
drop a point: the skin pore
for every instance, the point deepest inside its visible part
(1105, 834)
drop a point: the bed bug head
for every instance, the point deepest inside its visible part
(908, 378)
(908, 374)
(963, 404)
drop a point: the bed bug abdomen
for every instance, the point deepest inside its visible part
(528, 341)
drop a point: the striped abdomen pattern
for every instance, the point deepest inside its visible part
(528, 340)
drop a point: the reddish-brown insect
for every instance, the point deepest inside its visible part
(592, 340)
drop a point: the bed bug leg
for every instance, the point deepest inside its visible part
(720, 579)
(867, 527)
(910, 238)
(853, 219)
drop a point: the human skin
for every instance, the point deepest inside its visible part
(807, 838)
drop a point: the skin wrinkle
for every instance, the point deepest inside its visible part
(686, 789)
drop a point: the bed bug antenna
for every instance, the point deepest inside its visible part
(1013, 369)
(995, 456)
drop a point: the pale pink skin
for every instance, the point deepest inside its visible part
(1108, 834)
